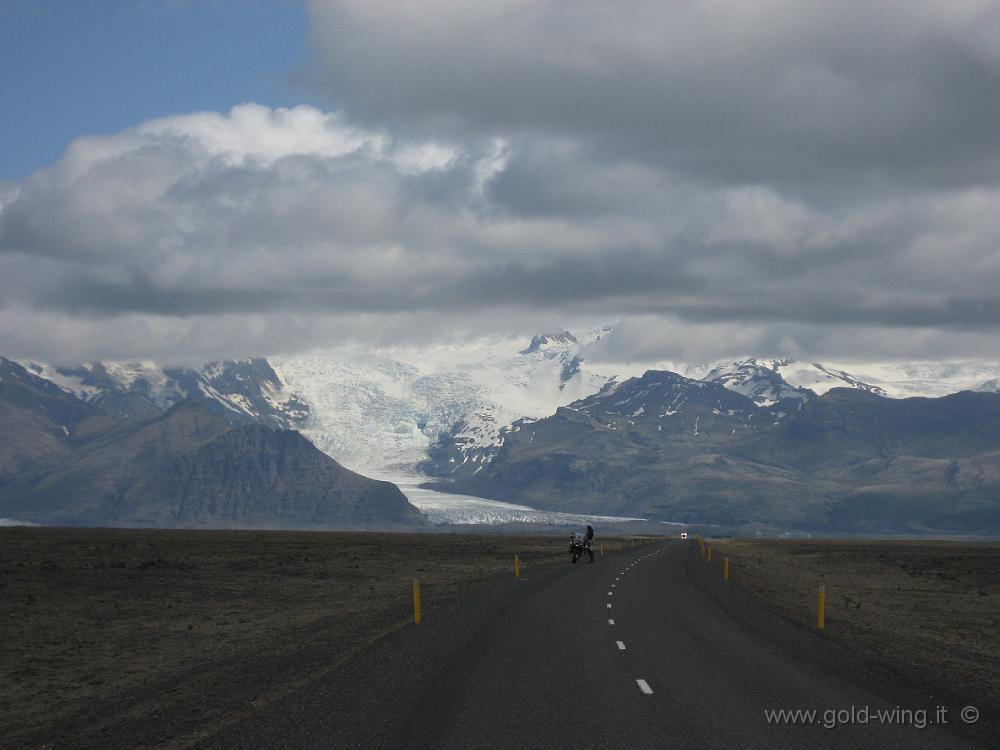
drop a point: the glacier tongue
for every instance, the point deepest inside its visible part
(445, 507)
(371, 410)
(379, 411)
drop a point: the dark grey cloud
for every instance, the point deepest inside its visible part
(776, 92)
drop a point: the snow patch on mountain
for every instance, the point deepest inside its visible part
(820, 378)
(550, 341)
(928, 379)
(760, 381)
(756, 378)
(240, 391)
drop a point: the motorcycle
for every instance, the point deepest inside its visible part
(577, 549)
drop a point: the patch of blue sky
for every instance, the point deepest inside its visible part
(70, 68)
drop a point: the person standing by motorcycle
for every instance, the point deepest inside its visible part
(589, 542)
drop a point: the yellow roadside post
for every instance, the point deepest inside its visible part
(416, 601)
(517, 567)
(725, 568)
(821, 608)
(709, 548)
(602, 549)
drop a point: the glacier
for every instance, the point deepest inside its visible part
(446, 507)
(379, 411)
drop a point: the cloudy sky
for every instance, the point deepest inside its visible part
(194, 179)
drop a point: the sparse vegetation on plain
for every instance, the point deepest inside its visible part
(153, 638)
(932, 607)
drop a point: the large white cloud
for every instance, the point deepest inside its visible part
(762, 178)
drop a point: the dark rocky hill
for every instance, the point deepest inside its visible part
(37, 420)
(664, 446)
(63, 462)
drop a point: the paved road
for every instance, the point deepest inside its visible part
(639, 650)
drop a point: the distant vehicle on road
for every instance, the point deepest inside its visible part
(684, 535)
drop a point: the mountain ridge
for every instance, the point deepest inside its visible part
(668, 447)
(240, 391)
(447, 409)
(183, 467)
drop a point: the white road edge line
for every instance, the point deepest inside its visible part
(644, 687)
(621, 645)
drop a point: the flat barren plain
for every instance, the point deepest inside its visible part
(134, 638)
(930, 608)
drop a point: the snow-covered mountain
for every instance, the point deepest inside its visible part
(663, 446)
(760, 381)
(377, 411)
(895, 380)
(387, 411)
(929, 379)
(382, 411)
(781, 386)
(240, 391)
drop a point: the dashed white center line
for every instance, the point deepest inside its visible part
(644, 687)
(621, 645)
(610, 593)
(611, 622)
(609, 605)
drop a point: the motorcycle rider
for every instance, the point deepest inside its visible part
(579, 539)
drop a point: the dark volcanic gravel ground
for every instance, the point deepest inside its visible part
(131, 638)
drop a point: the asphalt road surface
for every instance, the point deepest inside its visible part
(647, 649)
